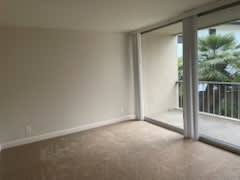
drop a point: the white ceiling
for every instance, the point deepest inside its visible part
(110, 15)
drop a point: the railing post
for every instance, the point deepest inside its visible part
(225, 100)
(182, 93)
(232, 101)
(203, 101)
(213, 99)
(178, 94)
(208, 97)
(238, 102)
(219, 99)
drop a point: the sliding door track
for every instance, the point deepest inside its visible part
(164, 125)
(220, 144)
(205, 139)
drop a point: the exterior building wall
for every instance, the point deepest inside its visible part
(159, 72)
(223, 29)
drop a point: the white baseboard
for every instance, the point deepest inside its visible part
(54, 134)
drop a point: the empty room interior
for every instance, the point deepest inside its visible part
(120, 90)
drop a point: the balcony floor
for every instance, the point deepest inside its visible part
(216, 127)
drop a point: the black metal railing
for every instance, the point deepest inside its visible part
(220, 98)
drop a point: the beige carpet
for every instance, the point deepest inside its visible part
(131, 150)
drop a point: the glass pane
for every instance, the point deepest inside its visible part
(162, 52)
(219, 82)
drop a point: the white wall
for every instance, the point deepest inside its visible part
(56, 79)
(159, 72)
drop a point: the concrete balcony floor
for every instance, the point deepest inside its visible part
(217, 127)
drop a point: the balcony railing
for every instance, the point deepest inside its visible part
(220, 98)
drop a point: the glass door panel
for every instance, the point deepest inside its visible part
(162, 52)
(219, 82)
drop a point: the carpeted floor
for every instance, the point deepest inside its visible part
(132, 150)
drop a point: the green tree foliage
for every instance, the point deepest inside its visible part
(218, 58)
(180, 68)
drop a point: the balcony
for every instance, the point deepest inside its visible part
(219, 111)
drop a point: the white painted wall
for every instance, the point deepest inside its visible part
(160, 72)
(52, 80)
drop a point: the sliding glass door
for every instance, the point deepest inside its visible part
(192, 69)
(219, 77)
(162, 60)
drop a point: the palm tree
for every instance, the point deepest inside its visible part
(219, 58)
